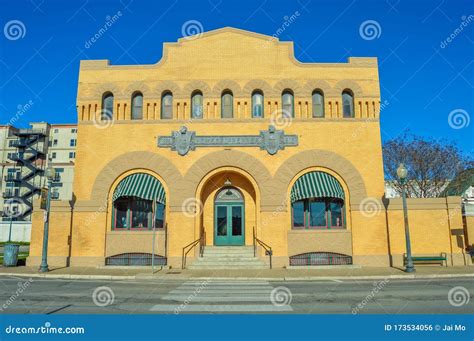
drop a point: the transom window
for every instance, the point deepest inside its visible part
(257, 104)
(227, 105)
(229, 194)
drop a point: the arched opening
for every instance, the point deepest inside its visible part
(229, 216)
(318, 103)
(288, 103)
(229, 210)
(137, 106)
(257, 104)
(107, 112)
(317, 202)
(348, 103)
(138, 203)
(197, 104)
(227, 104)
(167, 105)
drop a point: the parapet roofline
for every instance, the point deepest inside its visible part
(351, 61)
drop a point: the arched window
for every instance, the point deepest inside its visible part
(107, 113)
(318, 103)
(257, 103)
(287, 101)
(317, 201)
(227, 104)
(197, 105)
(135, 199)
(167, 105)
(347, 103)
(137, 106)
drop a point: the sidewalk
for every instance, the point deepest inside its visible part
(144, 273)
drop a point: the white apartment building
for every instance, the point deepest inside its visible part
(53, 144)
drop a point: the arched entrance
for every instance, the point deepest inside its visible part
(213, 192)
(229, 213)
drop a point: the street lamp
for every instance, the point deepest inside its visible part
(402, 173)
(51, 176)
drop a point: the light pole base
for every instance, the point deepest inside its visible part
(409, 269)
(43, 268)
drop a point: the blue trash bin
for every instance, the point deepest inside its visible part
(10, 254)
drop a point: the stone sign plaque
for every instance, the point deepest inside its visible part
(271, 140)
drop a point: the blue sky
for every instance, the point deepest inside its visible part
(427, 82)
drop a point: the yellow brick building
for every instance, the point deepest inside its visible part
(229, 137)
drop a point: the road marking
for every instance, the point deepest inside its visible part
(193, 295)
(220, 308)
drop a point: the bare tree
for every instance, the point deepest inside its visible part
(431, 164)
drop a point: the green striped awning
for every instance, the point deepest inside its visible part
(316, 185)
(141, 185)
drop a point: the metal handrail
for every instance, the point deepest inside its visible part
(201, 241)
(266, 247)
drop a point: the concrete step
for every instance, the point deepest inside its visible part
(226, 267)
(228, 249)
(236, 262)
(227, 257)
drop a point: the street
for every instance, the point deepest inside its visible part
(389, 296)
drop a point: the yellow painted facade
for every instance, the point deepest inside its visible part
(228, 59)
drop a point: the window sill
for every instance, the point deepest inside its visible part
(136, 231)
(323, 230)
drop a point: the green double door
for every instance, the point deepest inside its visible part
(229, 224)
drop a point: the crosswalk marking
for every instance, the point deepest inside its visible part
(238, 308)
(221, 296)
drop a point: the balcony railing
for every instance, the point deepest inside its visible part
(10, 194)
(12, 177)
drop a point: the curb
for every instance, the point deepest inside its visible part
(336, 278)
(67, 276)
(174, 278)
